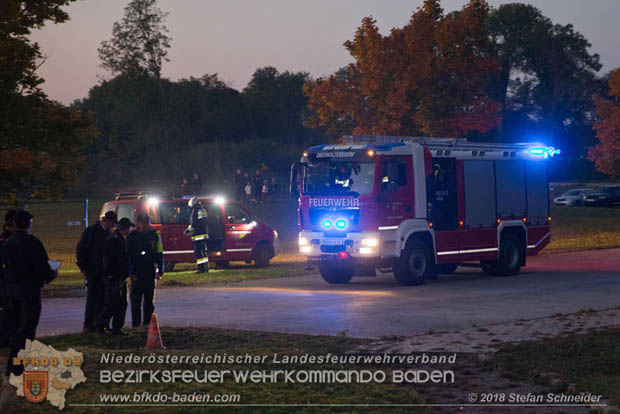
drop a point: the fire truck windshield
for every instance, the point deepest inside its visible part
(334, 177)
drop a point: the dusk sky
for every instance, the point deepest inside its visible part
(234, 37)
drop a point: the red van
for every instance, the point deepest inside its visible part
(235, 234)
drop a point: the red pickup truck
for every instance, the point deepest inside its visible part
(234, 233)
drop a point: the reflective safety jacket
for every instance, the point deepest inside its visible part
(145, 251)
(198, 223)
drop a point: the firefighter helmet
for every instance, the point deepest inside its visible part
(192, 201)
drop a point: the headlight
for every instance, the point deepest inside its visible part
(372, 242)
(305, 249)
(303, 241)
(365, 250)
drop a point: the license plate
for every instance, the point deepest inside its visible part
(333, 242)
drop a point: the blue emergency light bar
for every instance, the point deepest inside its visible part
(543, 151)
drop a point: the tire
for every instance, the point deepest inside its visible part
(222, 264)
(336, 274)
(262, 255)
(511, 255)
(169, 266)
(446, 269)
(415, 265)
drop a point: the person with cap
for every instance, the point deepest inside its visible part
(146, 258)
(26, 270)
(89, 255)
(6, 322)
(198, 228)
(116, 272)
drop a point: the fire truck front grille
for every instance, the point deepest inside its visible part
(317, 214)
(332, 249)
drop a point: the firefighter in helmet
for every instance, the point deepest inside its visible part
(199, 230)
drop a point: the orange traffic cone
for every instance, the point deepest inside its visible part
(154, 339)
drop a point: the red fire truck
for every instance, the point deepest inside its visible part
(420, 206)
(235, 234)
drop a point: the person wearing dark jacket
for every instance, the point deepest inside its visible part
(116, 272)
(146, 258)
(6, 322)
(89, 254)
(199, 230)
(26, 270)
(196, 184)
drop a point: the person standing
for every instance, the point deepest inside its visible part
(265, 192)
(273, 189)
(146, 258)
(239, 185)
(258, 186)
(196, 184)
(89, 253)
(248, 192)
(185, 187)
(6, 322)
(26, 270)
(199, 230)
(116, 271)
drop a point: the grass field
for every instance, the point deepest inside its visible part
(573, 228)
(190, 341)
(577, 363)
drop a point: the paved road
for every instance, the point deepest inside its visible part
(374, 307)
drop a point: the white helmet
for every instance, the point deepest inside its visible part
(192, 201)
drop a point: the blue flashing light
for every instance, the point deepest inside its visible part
(543, 151)
(341, 223)
(326, 224)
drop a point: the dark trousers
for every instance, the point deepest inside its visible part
(7, 326)
(25, 313)
(94, 300)
(202, 256)
(142, 296)
(115, 304)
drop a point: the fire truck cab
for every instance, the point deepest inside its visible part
(234, 233)
(420, 206)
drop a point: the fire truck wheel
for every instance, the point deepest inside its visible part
(169, 266)
(336, 274)
(510, 257)
(262, 254)
(415, 264)
(446, 269)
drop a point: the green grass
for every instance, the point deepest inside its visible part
(69, 283)
(193, 341)
(581, 228)
(590, 361)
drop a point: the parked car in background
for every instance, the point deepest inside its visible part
(572, 197)
(604, 196)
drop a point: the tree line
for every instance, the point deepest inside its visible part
(506, 74)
